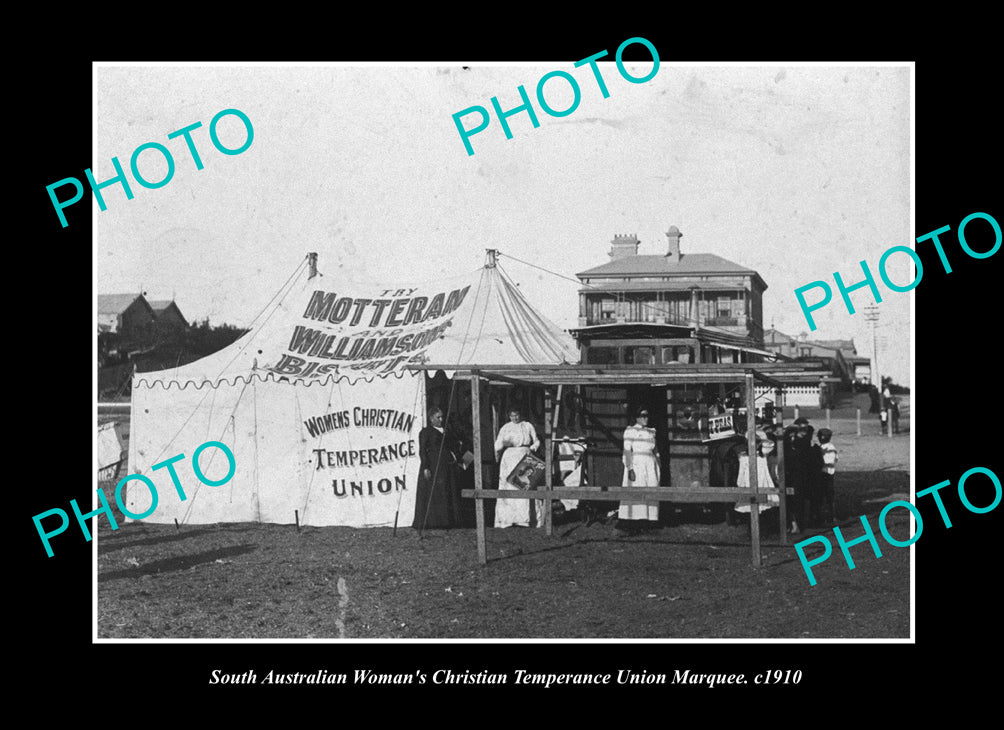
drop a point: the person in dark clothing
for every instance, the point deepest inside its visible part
(724, 467)
(873, 395)
(437, 498)
(809, 467)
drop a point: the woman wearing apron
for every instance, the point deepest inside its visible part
(515, 440)
(641, 468)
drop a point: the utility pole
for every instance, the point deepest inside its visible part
(872, 315)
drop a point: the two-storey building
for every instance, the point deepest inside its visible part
(669, 308)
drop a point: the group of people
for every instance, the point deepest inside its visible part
(885, 404)
(809, 470)
(442, 469)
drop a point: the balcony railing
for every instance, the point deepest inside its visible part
(661, 319)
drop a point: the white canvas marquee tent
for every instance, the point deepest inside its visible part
(316, 403)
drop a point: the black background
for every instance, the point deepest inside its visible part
(955, 393)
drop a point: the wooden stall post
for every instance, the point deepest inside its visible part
(827, 417)
(479, 503)
(782, 508)
(548, 459)
(751, 446)
(888, 420)
(782, 487)
(557, 409)
(859, 421)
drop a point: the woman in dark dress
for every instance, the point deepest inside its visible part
(873, 396)
(437, 499)
(793, 476)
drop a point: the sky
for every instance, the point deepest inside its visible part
(796, 171)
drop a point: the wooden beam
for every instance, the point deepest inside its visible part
(479, 507)
(687, 495)
(506, 379)
(767, 379)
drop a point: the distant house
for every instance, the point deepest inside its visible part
(861, 367)
(124, 314)
(167, 313)
(837, 355)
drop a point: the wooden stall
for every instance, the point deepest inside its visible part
(556, 379)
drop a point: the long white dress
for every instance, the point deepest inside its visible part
(763, 481)
(517, 440)
(640, 441)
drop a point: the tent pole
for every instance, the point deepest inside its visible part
(479, 504)
(753, 464)
(548, 460)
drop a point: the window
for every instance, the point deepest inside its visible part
(639, 355)
(602, 356)
(676, 353)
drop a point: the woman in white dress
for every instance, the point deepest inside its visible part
(641, 468)
(763, 477)
(515, 440)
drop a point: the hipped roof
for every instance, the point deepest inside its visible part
(648, 264)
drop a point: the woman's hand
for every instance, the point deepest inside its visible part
(427, 473)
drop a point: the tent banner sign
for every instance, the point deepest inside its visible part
(328, 454)
(378, 330)
(387, 444)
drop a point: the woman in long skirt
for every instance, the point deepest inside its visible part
(437, 499)
(515, 440)
(641, 468)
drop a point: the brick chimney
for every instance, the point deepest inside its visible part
(624, 245)
(674, 236)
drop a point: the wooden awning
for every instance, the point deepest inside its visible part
(777, 375)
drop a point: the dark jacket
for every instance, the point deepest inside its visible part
(437, 497)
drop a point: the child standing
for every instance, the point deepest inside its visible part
(829, 470)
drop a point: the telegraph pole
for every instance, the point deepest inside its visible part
(872, 315)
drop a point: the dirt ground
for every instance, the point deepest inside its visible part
(690, 579)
